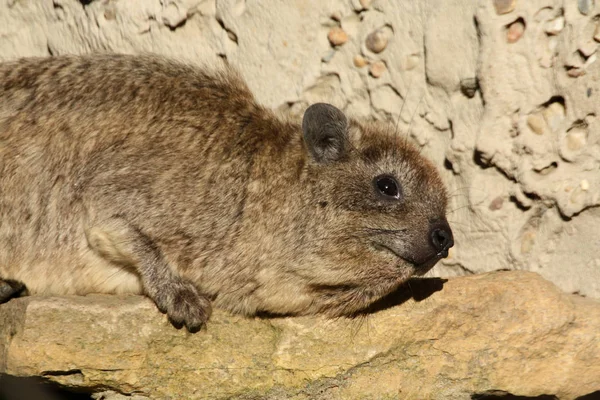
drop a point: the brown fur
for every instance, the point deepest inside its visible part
(135, 174)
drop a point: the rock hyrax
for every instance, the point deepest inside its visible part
(136, 174)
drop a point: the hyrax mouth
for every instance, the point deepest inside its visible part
(424, 267)
(422, 257)
(420, 267)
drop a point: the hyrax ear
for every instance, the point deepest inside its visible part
(325, 132)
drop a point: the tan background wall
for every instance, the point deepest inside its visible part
(503, 95)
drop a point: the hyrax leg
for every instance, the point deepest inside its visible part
(9, 288)
(123, 244)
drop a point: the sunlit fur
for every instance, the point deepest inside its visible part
(123, 174)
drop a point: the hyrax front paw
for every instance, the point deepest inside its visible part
(184, 305)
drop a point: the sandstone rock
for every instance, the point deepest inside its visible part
(576, 139)
(173, 16)
(469, 86)
(377, 69)
(555, 26)
(496, 204)
(573, 143)
(588, 48)
(282, 50)
(554, 114)
(537, 124)
(575, 72)
(506, 331)
(585, 6)
(575, 60)
(410, 62)
(597, 33)
(365, 3)
(504, 6)
(591, 59)
(585, 185)
(515, 31)
(359, 61)
(337, 36)
(328, 55)
(377, 41)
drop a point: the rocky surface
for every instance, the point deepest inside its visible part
(501, 94)
(506, 331)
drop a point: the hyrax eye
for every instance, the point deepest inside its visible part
(387, 187)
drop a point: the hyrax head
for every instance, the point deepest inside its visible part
(381, 210)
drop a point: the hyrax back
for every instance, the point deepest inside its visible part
(135, 174)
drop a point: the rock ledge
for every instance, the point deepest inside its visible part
(504, 331)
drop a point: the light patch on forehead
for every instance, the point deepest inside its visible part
(397, 154)
(400, 166)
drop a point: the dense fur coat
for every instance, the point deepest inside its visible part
(135, 174)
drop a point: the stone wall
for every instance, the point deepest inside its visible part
(502, 94)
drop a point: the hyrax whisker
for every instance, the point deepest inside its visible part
(412, 118)
(405, 100)
(458, 223)
(459, 208)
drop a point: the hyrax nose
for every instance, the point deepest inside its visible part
(440, 236)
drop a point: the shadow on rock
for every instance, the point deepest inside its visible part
(35, 388)
(417, 289)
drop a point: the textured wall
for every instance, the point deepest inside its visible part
(500, 93)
